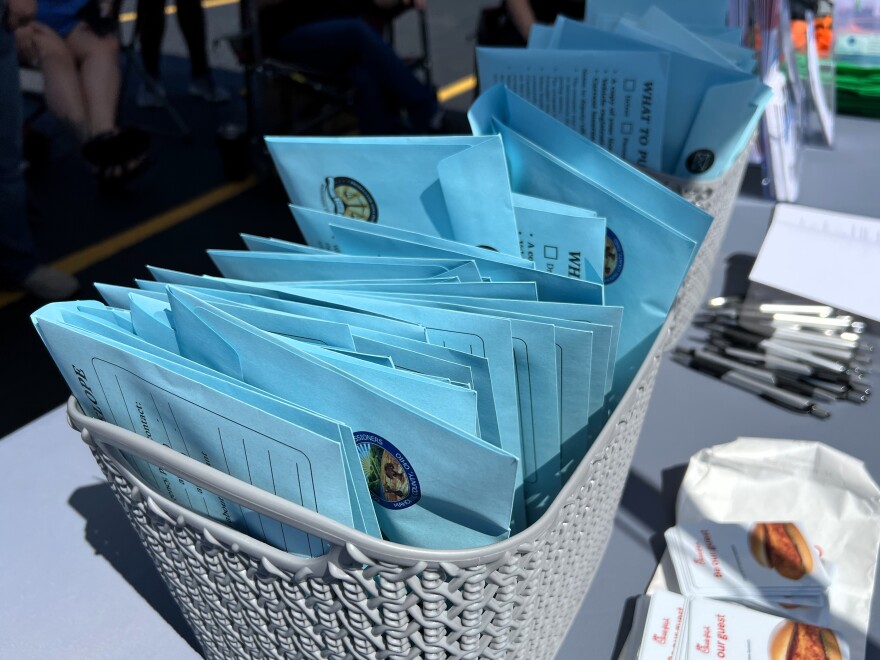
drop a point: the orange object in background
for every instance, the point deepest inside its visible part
(824, 35)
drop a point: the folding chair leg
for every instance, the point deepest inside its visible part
(131, 61)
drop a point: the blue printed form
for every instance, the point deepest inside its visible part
(616, 99)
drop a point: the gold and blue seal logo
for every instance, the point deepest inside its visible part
(613, 257)
(391, 479)
(344, 196)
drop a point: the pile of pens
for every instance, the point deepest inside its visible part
(795, 356)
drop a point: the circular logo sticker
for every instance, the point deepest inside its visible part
(349, 198)
(391, 479)
(613, 257)
(699, 161)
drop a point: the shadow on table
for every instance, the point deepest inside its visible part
(652, 507)
(112, 536)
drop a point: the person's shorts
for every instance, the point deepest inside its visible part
(60, 15)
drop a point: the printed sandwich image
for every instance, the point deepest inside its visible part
(386, 478)
(801, 641)
(782, 547)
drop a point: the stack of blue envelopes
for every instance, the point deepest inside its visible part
(433, 366)
(663, 84)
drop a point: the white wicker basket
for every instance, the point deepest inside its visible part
(369, 598)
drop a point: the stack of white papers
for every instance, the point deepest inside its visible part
(669, 626)
(769, 565)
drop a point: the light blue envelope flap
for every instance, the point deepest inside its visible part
(478, 366)
(418, 501)
(501, 290)
(466, 273)
(118, 296)
(658, 28)
(150, 320)
(455, 405)
(283, 267)
(711, 13)
(355, 319)
(302, 328)
(725, 134)
(477, 195)
(540, 35)
(261, 244)
(355, 239)
(561, 239)
(418, 362)
(316, 227)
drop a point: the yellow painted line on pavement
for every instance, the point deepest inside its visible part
(129, 16)
(93, 254)
(78, 261)
(457, 88)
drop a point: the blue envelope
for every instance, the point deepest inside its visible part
(421, 494)
(707, 13)
(713, 110)
(174, 405)
(283, 267)
(261, 244)
(355, 238)
(316, 228)
(254, 296)
(455, 187)
(658, 28)
(478, 366)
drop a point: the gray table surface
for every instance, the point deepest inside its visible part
(75, 582)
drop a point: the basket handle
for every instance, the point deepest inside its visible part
(213, 480)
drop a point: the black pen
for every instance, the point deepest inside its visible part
(764, 390)
(786, 382)
(749, 340)
(769, 362)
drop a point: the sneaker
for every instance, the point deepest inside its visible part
(151, 95)
(47, 283)
(205, 89)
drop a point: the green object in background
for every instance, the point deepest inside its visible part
(858, 90)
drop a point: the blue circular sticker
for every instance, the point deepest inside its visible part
(613, 257)
(391, 479)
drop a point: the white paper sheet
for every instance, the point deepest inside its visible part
(833, 258)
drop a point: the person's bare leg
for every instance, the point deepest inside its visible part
(98, 59)
(43, 47)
